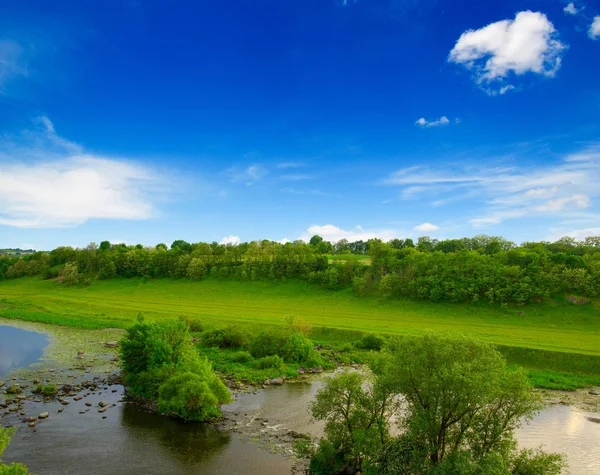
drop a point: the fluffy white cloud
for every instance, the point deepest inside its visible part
(332, 233)
(11, 62)
(426, 228)
(434, 123)
(570, 9)
(527, 44)
(47, 181)
(234, 240)
(565, 188)
(594, 31)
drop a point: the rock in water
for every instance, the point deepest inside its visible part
(43, 415)
(111, 344)
(277, 381)
(103, 404)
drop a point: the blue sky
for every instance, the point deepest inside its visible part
(150, 121)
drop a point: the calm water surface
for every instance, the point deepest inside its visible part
(19, 348)
(130, 441)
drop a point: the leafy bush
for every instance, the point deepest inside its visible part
(371, 342)
(160, 362)
(228, 337)
(193, 396)
(273, 361)
(268, 342)
(292, 346)
(195, 326)
(241, 357)
(70, 273)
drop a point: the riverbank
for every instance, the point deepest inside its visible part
(262, 420)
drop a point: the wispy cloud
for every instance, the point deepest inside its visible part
(12, 62)
(423, 122)
(287, 165)
(508, 48)
(312, 192)
(248, 175)
(570, 9)
(47, 181)
(509, 192)
(295, 177)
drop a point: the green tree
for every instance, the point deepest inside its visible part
(70, 273)
(196, 269)
(463, 406)
(356, 419)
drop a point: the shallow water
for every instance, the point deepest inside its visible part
(19, 348)
(569, 431)
(131, 441)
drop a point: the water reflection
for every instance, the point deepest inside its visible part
(569, 431)
(19, 348)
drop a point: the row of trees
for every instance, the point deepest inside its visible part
(469, 269)
(457, 406)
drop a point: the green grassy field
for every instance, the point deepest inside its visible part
(555, 326)
(551, 339)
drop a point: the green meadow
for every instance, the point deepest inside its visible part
(551, 339)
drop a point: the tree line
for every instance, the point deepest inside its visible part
(485, 268)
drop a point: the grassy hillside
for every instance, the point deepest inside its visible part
(554, 326)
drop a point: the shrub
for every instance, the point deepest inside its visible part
(267, 343)
(160, 362)
(345, 348)
(273, 361)
(242, 357)
(46, 390)
(191, 396)
(292, 346)
(229, 337)
(195, 326)
(70, 273)
(371, 342)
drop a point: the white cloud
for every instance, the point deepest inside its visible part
(12, 63)
(434, 123)
(332, 233)
(284, 241)
(594, 31)
(577, 200)
(527, 44)
(48, 182)
(565, 188)
(426, 228)
(570, 9)
(249, 175)
(578, 234)
(233, 240)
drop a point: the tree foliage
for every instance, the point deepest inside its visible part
(461, 407)
(161, 363)
(482, 268)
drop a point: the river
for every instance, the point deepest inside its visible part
(125, 439)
